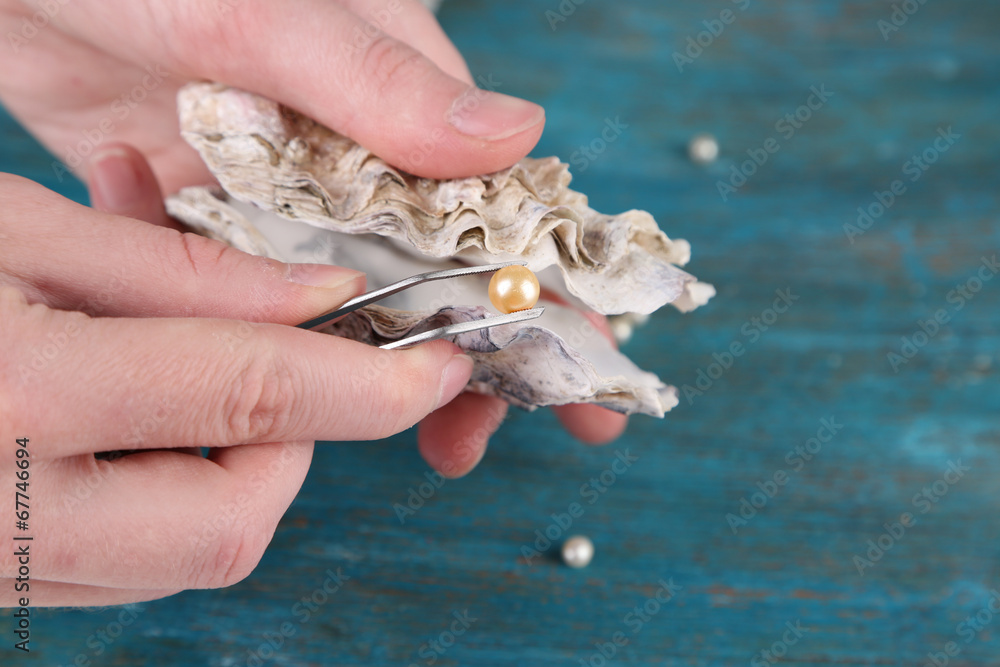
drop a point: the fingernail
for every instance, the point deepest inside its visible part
(114, 180)
(454, 378)
(492, 116)
(326, 276)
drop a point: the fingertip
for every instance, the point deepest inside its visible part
(591, 424)
(455, 368)
(400, 388)
(469, 156)
(493, 116)
(329, 286)
(121, 182)
(453, 439)
(384, 93)
(454, 378)
(484, 132)
(327, 276)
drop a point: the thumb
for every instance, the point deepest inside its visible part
(328, 63)
(72, 257)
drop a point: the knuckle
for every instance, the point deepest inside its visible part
(198, 259)
(388, 65)
(259, 407)
(197, 255)
(36, 341)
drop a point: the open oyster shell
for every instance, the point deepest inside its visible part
(298, 192)
(285, 163)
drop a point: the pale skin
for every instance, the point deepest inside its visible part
(121, 332)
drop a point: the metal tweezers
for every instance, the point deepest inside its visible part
(434, 334)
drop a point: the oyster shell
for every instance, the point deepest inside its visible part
(298, 192)
(285, 163)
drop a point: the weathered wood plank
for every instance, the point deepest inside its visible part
(823, 358)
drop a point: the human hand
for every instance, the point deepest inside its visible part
(379, 71)
(393, 89)
(186, 349)
(452, 439)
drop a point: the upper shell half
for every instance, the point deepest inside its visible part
(276, 166)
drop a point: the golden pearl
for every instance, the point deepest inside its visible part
(514, 288)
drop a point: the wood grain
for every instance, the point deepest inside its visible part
(825, 358)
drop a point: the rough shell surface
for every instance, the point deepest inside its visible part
(561, 358)
(298, 192)
(280, 161)
(528, 366)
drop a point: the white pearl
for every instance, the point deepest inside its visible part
(703, 149)
(577, 551)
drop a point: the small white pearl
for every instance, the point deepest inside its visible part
(703, 149)
(577, 551)
(639, 319)
(621, 329)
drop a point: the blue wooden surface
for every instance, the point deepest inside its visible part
(825, 357)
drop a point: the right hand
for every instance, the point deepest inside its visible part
(381, 72)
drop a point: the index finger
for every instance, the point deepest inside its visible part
(87, 385)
